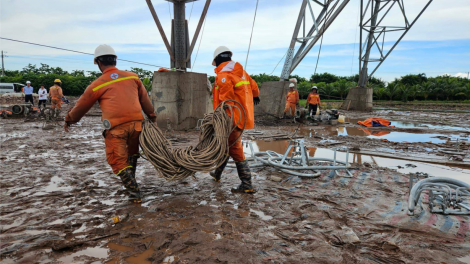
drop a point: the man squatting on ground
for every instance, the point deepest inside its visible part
(122, 98)
(233, 83)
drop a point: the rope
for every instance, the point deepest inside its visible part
(175, 164)
(251, 36)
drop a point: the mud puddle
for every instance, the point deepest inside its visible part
(393, 136)
(403, 166)
(402, 124)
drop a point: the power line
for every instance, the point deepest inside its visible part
(355, 37)
(251, 36)
(278, 63)
(76, 51)
(202, 35)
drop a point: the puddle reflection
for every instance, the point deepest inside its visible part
(432, 169)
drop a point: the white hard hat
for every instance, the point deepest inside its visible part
(314, 87)
(102, 50)
(28, 82)
(291, 85)
(220, 50)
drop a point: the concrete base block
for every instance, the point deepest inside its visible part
(180, 99)
(358, 99)
(273, 99)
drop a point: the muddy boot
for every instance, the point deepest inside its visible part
(133, 162)
(129, 182)
(244, 174)
(218, 172)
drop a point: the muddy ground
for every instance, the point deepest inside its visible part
(58, 196)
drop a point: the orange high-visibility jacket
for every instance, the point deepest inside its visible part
(313, 98)
(233, 83)
(55, 92)
(292, 97)
(121, 96)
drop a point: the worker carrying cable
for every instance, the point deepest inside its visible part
(313, 101)
(122, 97)
(55, 94)
(292, 99)
(233, 83)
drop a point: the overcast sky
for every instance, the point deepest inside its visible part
(439, 42)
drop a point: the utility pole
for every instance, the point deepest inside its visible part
(3, 66)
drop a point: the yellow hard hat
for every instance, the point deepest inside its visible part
(57, 80)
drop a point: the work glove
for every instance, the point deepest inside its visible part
(256, 100)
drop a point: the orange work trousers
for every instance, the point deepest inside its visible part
(236, 151)
(56, 103)
(121, 142)
(290, 107)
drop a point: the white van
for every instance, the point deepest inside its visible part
(11, 87)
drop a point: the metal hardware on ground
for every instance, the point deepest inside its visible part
(446, 196)
(297, 160)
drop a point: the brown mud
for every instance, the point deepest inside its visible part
(58, 196)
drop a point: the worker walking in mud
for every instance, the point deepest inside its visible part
(313, 102)
(292, 99)
(122, 98)
(55, 94)
(233, 83)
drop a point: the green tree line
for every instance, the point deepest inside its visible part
(73, 83)
(331, 86)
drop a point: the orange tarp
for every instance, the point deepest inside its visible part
(375, 122)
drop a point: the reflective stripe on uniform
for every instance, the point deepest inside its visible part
(241, 83)
(217, 87)
(113, 81)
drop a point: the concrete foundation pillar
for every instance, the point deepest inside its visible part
(180, 99)
(359, 99)
(273, 98)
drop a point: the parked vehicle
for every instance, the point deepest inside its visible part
(11, 87)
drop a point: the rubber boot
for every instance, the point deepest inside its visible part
(244, 174)
(133, 162)
(217, 174)
(129, 182)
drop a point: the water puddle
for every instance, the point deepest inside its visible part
(398, 164)
(170, 259)
(465, 259)
(261, 215)
(141, 258)
(97, 252)
(377, 133)
(54, 185)
(402, 124)
(118, 247)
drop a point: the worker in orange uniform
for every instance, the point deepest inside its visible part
(55, 94)
(233, 83)
(313, 101)
(122, 97)
(292, 99)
